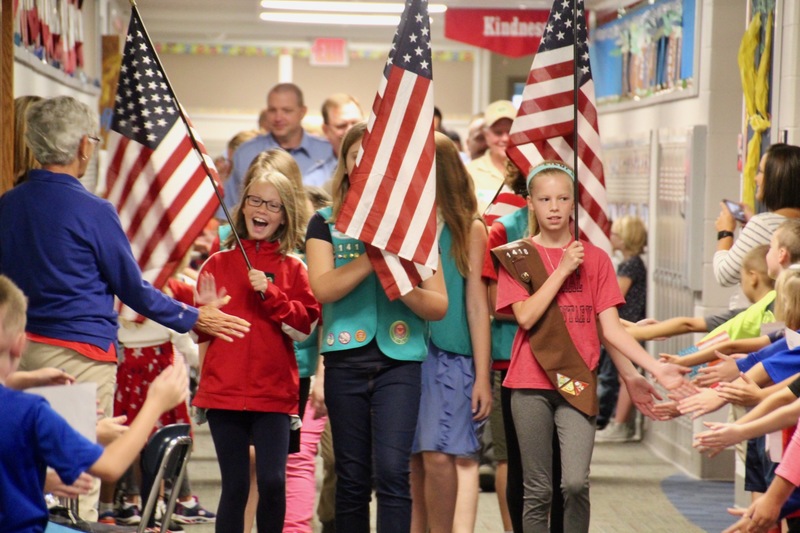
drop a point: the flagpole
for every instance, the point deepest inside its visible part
(575, 112)
(195, 144)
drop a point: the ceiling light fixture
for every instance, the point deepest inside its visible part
(332, 18)
(343, 7)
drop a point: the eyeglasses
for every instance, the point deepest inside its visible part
(92, 138)
(255, 201)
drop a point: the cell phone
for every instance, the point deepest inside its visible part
(735, 209)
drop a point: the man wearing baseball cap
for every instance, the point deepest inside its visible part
(488, 171)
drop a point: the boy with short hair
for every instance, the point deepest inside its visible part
(41, 438)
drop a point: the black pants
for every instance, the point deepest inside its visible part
(233, 432)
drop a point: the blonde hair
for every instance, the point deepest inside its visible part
(788, 236)
(455, 193)
(787, 299)
(341, 181)
(13, 306)
(290, 234)
(632, 231)
(533, 224)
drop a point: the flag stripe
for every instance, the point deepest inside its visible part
(544, 126)
(157, 179)
(391, 200)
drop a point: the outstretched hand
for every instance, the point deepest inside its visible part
(725, 370)
(719, 436)
(745, 393)
(643, 395)
(704, 402)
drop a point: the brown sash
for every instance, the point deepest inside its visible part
(549, 338)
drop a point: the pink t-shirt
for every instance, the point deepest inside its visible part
(581, 298)
(789, 469)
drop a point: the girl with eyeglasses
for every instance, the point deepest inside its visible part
(249, 388)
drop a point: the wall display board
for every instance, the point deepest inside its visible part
(646, 52)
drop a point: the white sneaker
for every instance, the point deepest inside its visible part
(614, 432)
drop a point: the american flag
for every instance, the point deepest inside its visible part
(156, 179)
(391, 201)
(544, 128)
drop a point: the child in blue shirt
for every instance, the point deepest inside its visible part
(33, 436)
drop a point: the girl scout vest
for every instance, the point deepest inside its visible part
(549, 338)
(503, 331)
(452, 332)
(366, 313)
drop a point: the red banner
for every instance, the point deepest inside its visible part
(511, 32)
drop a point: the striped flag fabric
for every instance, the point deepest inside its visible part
(391, 201)
(543, 128)
(156, 179)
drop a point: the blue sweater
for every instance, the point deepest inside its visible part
(65, 248)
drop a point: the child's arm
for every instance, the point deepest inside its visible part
(778, 411)
(493, 304)
(709, 353)
(640, 390)
(293, 305)
(25, 379)
(478, 320)
(429, 299)
(168, 390)
(528, 312)
(329, 283)
(708, 400)
(670, 376)
(668, 328)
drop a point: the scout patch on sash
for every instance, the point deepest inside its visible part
(549, 338)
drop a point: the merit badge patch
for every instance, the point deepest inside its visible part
(344, 337)
(562, 380)
(580, 386)
(569, 388)
(330, 339)
(361, 335)
(398, 332)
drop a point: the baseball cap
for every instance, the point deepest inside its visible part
(499, 109)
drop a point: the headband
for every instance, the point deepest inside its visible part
(538, 169)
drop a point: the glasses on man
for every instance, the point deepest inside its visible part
(92, 138)
(255, 201)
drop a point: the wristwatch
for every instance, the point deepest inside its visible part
(724, 233)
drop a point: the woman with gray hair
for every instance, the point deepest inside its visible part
(66, 249)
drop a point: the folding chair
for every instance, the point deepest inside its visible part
(164, 458)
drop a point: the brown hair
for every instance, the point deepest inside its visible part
(23, 157)
(456, 202)
(341, 181)
(756, 260)
(337, 100)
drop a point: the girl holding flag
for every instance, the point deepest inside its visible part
(372, 350)
(563, 313)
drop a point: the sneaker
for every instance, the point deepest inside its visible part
(172, 527)
(192, 512)
(107, 517)
(614, 432)
(129, 515)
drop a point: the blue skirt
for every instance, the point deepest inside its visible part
(445, 412)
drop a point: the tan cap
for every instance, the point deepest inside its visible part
(499, 109)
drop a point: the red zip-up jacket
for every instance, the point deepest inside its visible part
(259, 371)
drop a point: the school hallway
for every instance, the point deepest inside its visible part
(633, 490)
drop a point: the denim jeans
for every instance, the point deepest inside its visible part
(373, 416)
(607, 389)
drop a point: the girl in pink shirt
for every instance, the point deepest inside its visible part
(587, 298)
